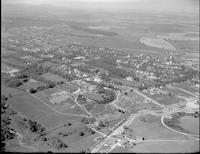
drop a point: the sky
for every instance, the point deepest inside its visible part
(181, 6)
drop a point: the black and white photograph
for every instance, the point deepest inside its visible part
(100, 76)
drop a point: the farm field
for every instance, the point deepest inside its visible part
(60, 101)
(53, 77)
(38, 111)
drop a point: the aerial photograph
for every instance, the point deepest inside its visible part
(100, 76)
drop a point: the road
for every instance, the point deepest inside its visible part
(162, 121)
(117, 131)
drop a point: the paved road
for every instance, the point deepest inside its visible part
(117, 131)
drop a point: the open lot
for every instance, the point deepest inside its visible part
(53, 77)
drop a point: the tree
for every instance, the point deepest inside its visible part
(31, 90)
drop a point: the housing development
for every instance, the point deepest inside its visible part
(70, 86)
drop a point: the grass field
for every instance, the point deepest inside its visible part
(62, 103)
(152, 128)
(68, 87)
(32, 84)
(14, 62)
(38, 111)
(93, 96)
(166, 100)
(188, 86)
(8, 90)
(178, 92)
(53, 77)
(72, 137)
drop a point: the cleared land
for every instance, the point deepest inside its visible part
(158, 43)
(53, 77)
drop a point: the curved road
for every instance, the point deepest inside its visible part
(162, 121)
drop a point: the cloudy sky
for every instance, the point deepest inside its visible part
(181, 6)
